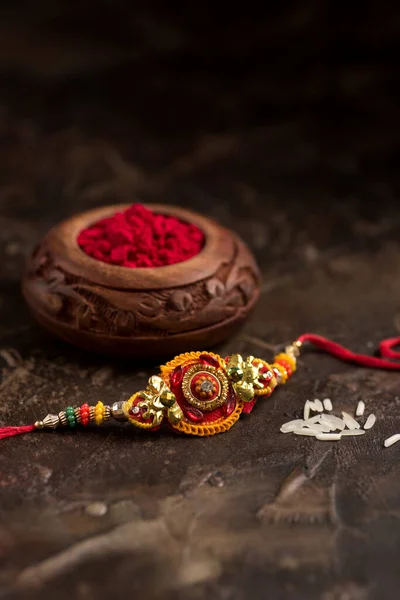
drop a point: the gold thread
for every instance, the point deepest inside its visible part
(267, 391)
(188, 358)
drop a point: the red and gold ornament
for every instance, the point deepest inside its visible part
(202, 394)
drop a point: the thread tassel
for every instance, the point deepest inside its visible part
(6, 432)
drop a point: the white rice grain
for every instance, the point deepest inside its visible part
(333, 422)
(291, 425)
(353, 432)
(370, 421)
(304, 431)
(306, 410)
(328, 404)
(349, 421)
(317, 427)
(392, 440)
(313, 419)
(312, 424)
(327, 437)
(360, 409)
(318, 405)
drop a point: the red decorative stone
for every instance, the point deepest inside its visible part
(176, 376)
(209, 360)
(194, 414)
(230, 404)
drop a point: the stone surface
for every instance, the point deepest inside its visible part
(283, 127)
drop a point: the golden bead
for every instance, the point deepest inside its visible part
(167, 398)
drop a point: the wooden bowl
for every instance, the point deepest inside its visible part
(145, 312)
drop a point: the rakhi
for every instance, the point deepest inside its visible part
(201, 393)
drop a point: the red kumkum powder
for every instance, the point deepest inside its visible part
(139, 237)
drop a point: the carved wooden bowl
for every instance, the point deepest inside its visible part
(145, 312)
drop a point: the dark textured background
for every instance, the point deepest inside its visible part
(284, 126)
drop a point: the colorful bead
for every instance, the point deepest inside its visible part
(286, 366)
(85, 414)
(70, 414)
(99, 413)
(286, 358)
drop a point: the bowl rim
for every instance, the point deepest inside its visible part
(62, 241)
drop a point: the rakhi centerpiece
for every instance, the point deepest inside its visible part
(201, 393)
(198, 393)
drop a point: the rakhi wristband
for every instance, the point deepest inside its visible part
(201, 393)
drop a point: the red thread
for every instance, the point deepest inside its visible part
(138, 237)
(6, 432)
(385, 348)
